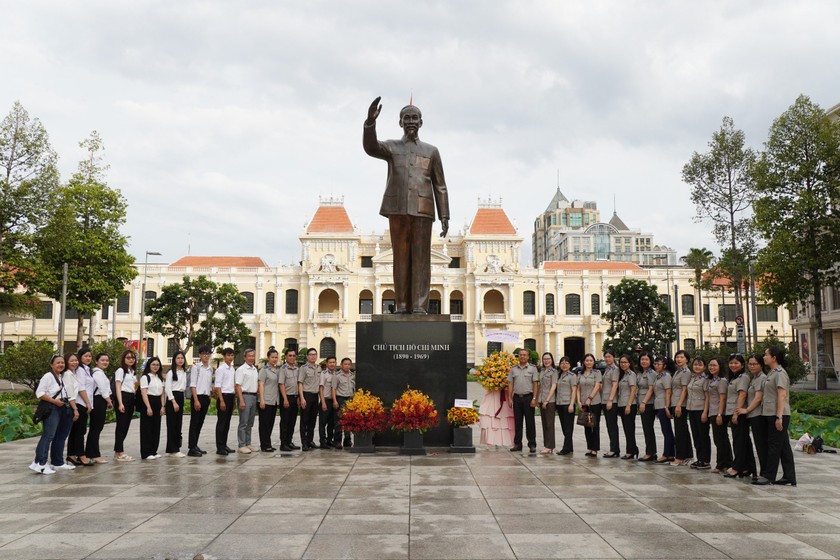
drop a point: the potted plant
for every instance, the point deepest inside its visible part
(412, 414)
(363, 415)
(461, 419)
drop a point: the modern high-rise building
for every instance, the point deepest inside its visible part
(573, 231)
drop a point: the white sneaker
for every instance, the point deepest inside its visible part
(245, 450)
(64, 467)
(177, 454)
(36, 467)
(150, 458)
(157, 455)
(253, 448)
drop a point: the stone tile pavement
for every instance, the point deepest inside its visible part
(331, 504)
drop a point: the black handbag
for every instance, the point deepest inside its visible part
(587, 419)
(43, 409)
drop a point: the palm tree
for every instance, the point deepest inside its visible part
(700, 260)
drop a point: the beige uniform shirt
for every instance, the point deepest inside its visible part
(756, 385)
(777, 378)
(625, 387)
(548, 377)
(522, 379)
(344, 384)
(696, 399)
(740, 383)
(566, 383)
(310, 376)
(661, 385)
(587, 382)
(289, 379)
(678, 384)
(717, 386)
(610, 377)
(644, 381)
(270, 377)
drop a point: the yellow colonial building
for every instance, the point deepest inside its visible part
(345, 276)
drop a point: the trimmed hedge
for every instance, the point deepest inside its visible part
(826, 404)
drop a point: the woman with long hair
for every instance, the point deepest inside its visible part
(698, 414)
(546, 401)
(645, 381)
(125, 382)
(752, 411)
(101, 404)
(718, 393)
(627, 389)
(736, 400)
(57, 424)
(662, 404)
(68, 377)
(154, 406)
(589, 398)
(775, 410)
(679, 396)
(567, 387)
(84, 404)
(174, 386)
(609, 396)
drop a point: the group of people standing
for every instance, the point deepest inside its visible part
(78, 394)
(748, 397)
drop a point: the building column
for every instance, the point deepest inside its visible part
(377, 298)
(559, 345)
(546, 342)
(311, 300)
(511, 304)
(541, 304)
(444, 303)
(346, 297)
(592, 343)
(479, 305)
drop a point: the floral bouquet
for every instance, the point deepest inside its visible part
(363, 413)
(413, 411)
(461, 417)
(493, 373)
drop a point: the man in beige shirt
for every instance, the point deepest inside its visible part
(523, 382)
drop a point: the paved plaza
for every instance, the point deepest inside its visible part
(334, 504)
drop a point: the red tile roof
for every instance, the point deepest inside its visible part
(589, 265)
(491, 221)
(220, 261)
(330, 219)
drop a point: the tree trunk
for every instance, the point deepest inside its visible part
(80, 331)
(819, 372)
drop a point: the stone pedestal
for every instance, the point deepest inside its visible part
(426, 352)
(412, 444)
(462, 440)
(362, 443)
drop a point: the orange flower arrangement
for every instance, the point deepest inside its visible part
(493, 373)
(363, 413)
(461, 417)
(413, 411)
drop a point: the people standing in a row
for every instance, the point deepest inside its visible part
(718, 389)
(152, 409)
(546, 401)
(57, 423)
(775, 411)
(125, 386)
(101, 403)
(268, 395)
(662, 395)
(246, 382)
(752, 411)
(174, 386)
(84, 405)
(522, 390)
(697, 404)
(567, 387)
(309, 379)
(289, 395)
(627, 389)
(224, 387)
(645, 381)
(736, 399)
(201, 385)
(590, 384)
(609, 398)
(679, 399)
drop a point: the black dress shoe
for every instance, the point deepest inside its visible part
(293, 446)
(516, 448)
(336, 446)
(268, 450)
(784, 482)
(194, 453)
(229, 450)
(761, 481)
(285, 448)
(610, 455)
(564, 452)
(306, 448)
(532, 450)
(200, 450)
(647, 459)
(312, 445)
(325, 445)
(347, 444)
(220, 452)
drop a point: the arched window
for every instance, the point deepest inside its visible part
(456, 303)
(249, 302)
(389, 301)
(327, 347)
(434, 303)
(151, 295)
(531, 344)
(269, 303)
(493, 347)
(666, 301)
(596, 304)
(572, 304)
(366, 302)
(529, 303)
(687, 304)
(290, 344)
(46, 310)
(171, 348)
(291, 302)
(123, 302)
(328, 302)
(150, 347)
(549, 304)
(689, 345)
(494, 302)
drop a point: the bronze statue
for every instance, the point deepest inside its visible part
(415, 186)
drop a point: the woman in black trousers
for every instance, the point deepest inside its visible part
(776, 414)
(125, 380)
(662, 404)
(567, 385)
(698, 414)
(627, 389)
(609, 398)
(644, 399)
(152, 393)
(679, 398)
(718, 390)
(84, 402)
(101, 404)
(174, 386)
(589, 398)
(752, 411)
(268, 397)
(736, 399)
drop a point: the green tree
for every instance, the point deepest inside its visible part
(639, 319)
(722, 191)
(27, 361)
(84, 232)
(795, 368)
(28, 179)
(115, 349)
(798, 184)
(699, 260)
(199, 311)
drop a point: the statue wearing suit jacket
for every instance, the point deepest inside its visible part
(415, 187)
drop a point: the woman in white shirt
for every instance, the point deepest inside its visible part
(125, 382)
(151, 391)
(51, 389)
(84, 404)
(175, 385)
(101, 404)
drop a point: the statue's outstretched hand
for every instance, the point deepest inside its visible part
(374, 109)
(444, 226)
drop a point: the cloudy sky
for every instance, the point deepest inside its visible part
(224, 121)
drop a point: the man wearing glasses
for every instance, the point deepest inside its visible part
(288, 379)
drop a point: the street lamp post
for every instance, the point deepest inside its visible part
(143, 304)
